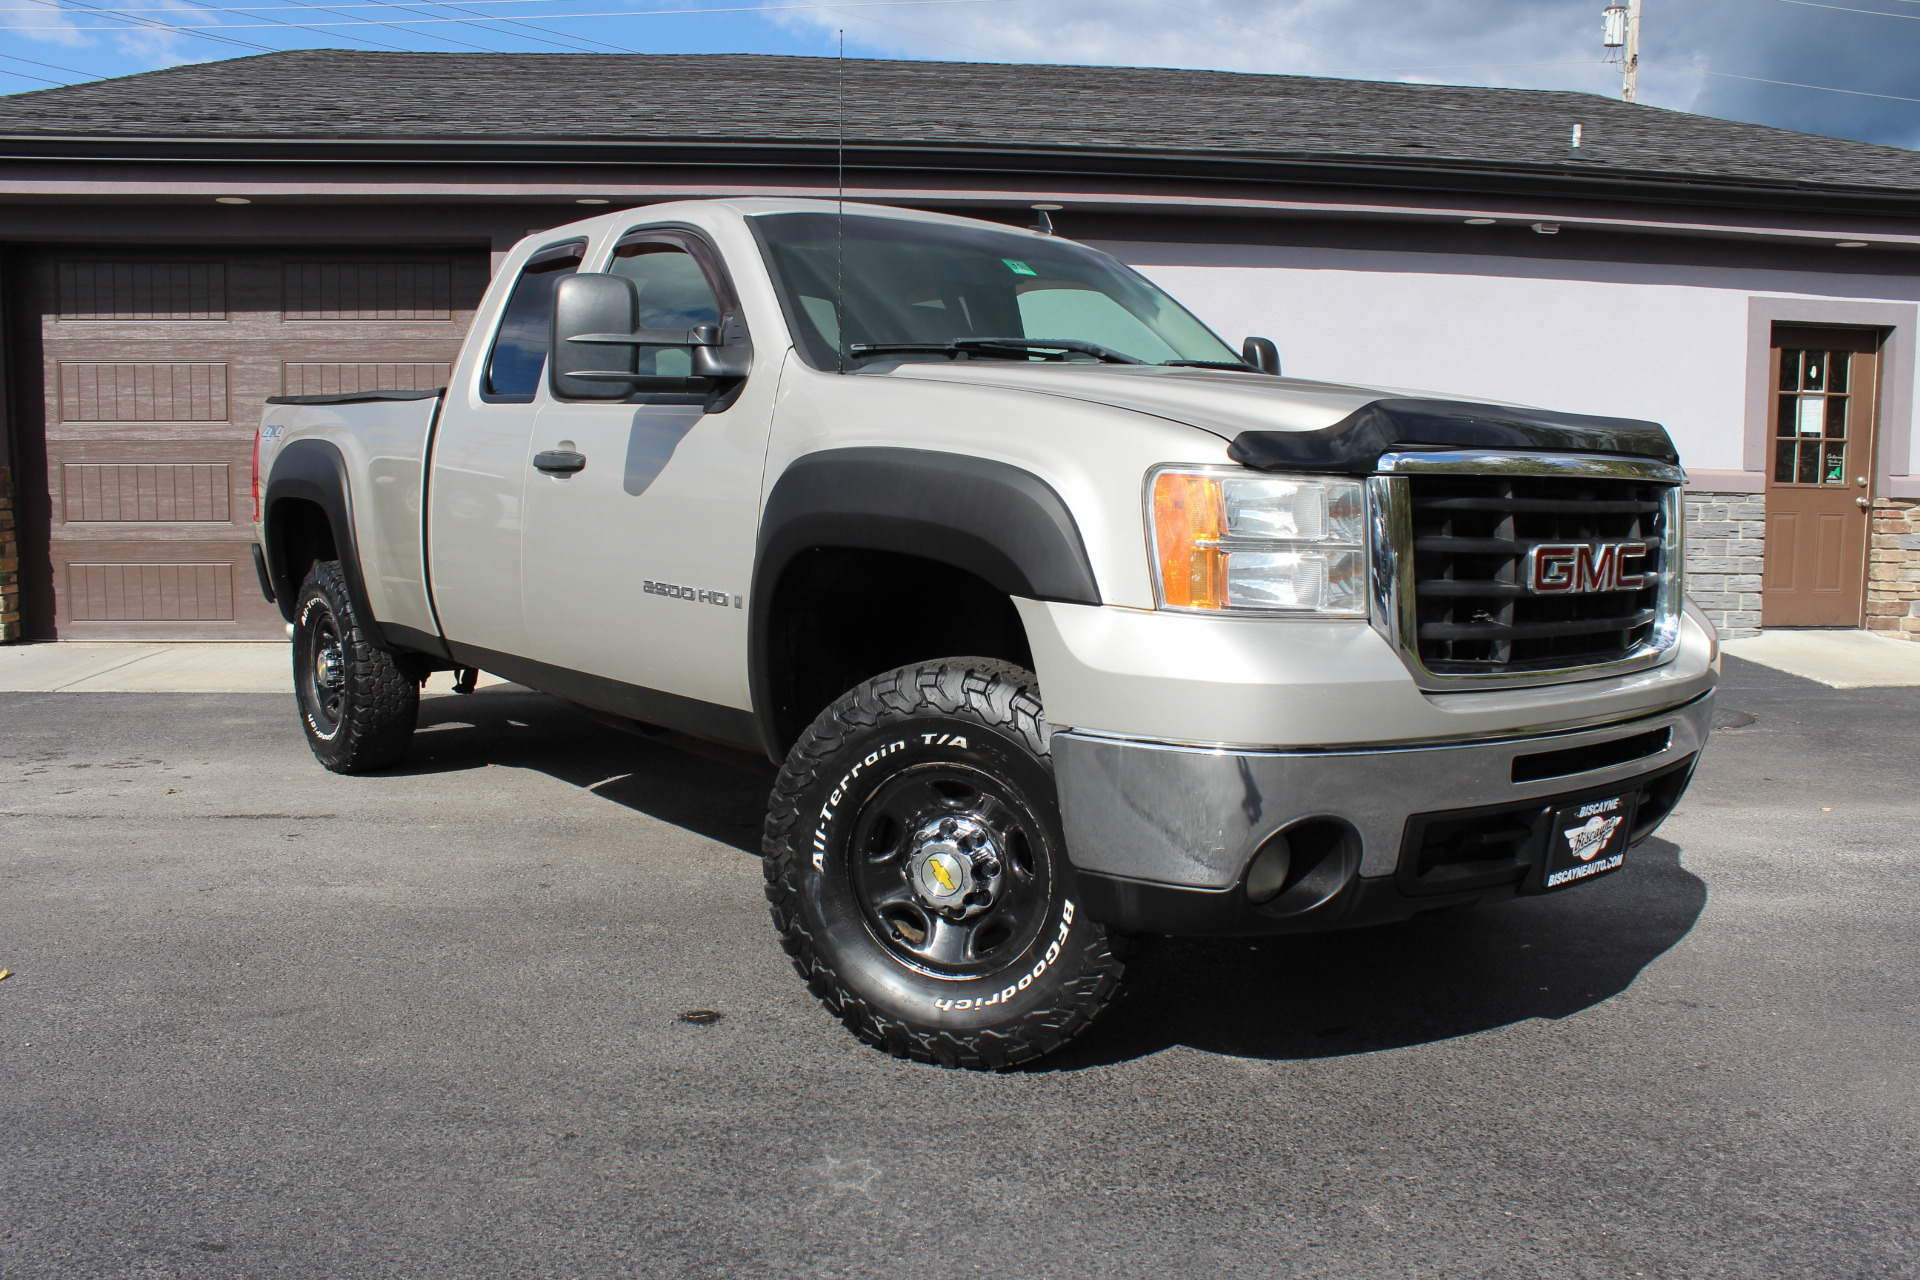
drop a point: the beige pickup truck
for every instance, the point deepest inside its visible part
(1064, 620)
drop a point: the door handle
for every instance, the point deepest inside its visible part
(1863, 502)
(559, 461)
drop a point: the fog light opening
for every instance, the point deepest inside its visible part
(1300, 868)
(1267, 874)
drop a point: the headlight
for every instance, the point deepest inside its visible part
(1224, 538)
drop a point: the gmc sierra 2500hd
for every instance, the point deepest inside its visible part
(1064, 620)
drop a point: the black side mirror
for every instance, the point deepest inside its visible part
(595, 350)
(597, 306)
(1258, 352)
(724, 351)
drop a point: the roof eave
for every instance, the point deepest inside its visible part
(1583, 178)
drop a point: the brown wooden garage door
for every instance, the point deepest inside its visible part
(155, 364)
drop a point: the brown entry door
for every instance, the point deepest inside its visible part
(154, 364)
(1821, 482)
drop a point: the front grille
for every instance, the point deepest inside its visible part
(1471, 536)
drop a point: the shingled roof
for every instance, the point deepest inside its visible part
(473, 98)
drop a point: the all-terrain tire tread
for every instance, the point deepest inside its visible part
(999, 696)
(382, 703)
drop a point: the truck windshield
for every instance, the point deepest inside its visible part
(929, 291)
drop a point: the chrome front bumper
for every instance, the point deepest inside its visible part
(1193, 817)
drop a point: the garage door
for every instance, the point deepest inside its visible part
(155, 364)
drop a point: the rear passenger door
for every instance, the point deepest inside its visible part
(479, 469)
(637, 565)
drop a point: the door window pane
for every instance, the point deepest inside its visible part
(1836, 417)
(674, 294)
(1809, 463)
(1836, 463)
(1813, 371)
(1812, 416)
(520, 349)
(1789, 370)
(1783, 461)
(1837, 370)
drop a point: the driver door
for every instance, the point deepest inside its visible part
(635, 567)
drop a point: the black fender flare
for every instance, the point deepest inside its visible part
(999, 522)
(315, 471)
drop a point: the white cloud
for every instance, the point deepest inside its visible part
(1520, 43)
(52, 26)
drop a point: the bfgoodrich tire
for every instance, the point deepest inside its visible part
(918, 876)
(357, 706)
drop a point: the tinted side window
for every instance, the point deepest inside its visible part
(520, 348)
(674, 294)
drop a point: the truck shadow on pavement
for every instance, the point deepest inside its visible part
(1434, 977)
(518, 729)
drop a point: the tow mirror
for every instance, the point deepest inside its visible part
(1258, 352)
(596, 343)
(593, 306)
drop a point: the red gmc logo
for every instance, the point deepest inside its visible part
(1574, 568)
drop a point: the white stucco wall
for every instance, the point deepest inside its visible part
(1669, 343)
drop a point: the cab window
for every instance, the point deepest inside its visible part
(674, 294)
(520, 348)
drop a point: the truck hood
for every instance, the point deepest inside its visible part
(1285, 424)
(1219, 401)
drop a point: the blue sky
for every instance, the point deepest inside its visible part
(1854, 65)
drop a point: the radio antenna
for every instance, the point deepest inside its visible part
(840, 215)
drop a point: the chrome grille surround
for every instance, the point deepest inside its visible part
(1396, 602)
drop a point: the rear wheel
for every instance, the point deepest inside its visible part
(918, 875)
(357, 706)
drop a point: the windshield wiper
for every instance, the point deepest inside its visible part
(1003, 348)
(1237, 366)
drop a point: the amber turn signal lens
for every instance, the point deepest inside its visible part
(1186, 530)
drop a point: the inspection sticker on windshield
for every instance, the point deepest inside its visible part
(1019, 268)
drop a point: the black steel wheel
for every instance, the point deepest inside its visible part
(942, 858)
(918, 876)
(357, 707)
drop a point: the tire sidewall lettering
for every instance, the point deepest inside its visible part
(304, 653)
(874, 757)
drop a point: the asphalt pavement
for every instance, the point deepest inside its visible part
(265, 1021)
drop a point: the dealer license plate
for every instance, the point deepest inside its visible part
(1588, 839)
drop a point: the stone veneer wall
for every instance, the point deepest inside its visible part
(9, 562)
(1893, 569)
(1726, 552)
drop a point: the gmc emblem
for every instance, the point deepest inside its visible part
(1575, 568)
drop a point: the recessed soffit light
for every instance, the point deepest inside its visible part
(231, 200)
(1850, 244)
(1481, 222)
(592, 200)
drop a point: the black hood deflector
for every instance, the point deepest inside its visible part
(1353, 445)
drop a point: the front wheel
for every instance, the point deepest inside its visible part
(357, 706)
(918, 874)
